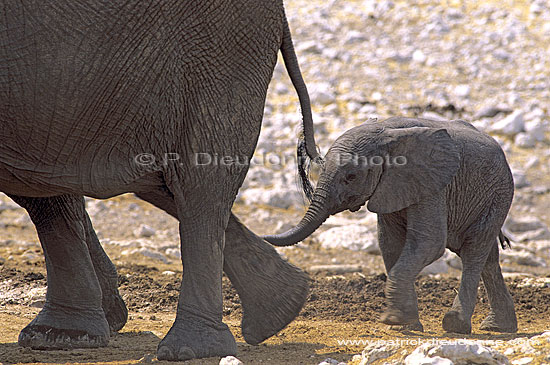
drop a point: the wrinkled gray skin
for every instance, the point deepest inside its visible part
(454, 191)
(85, 87)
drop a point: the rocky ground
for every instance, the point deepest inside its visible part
(485, 62)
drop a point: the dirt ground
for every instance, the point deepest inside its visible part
(340, 307)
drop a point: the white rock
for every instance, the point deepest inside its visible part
(147, 253)
(532, 162)
(352, 237)
(524, 224)
(520, 179)
(453, 261)
(275, 197)
(525, 140)
(309, 47)
(354, 37)
(336, 269)
(377, 351)
(376, 96)
(419, 56)
(30, 255)
(537, 129)
(175, 252)
(8, 206)
(439, 266)
(512, 124)
(144, 231)
(230, 360)
(259, 175)
(330, 361)
(460, 352)
(321, 93)
(536, 235)
(522, 257)
(523, 361)
(433, 116)
(462, 91)
(168, 273)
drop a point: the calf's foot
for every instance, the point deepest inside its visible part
(454, 321)
(394, 316)
(494, 324)
(416, 326)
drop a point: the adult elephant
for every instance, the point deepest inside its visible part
(91, 94)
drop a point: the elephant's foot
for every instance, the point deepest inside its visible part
(393, 316)
(454, 321)
(271, 290)
(269, 305)
(115, 311)
(417, 326)
(57, 327)
(195, 338)
(494, 324)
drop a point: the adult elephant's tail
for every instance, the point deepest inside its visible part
(504, 240)
(307, 149)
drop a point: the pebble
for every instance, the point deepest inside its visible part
(522, 257)
(174, 252)
(336, 269)
(277, 197)
(510, 125)
(520, 179)
(147, 359)
(439, 266)
(462, 91)
(321, 93)
(144, 231)
(490, 111)
(462, 352)
(377, 351)
(419, 57)
(330, 361)
(230, 360)
(523, 224)
(352, 237)
(525, 140)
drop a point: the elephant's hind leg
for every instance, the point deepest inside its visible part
(72, 316)
(502, 317)
(473, 255)
(112, 303)
(271, 290)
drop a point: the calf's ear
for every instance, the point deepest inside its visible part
(422, 161)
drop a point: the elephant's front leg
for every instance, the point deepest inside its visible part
(198, 330)
(392, 235)
(425, 243)
(72, 315)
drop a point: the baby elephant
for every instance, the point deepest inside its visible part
(433, 184)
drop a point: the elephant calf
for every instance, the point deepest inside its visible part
(433, 184)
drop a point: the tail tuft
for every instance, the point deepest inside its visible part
(304, 165)
(504, 241)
